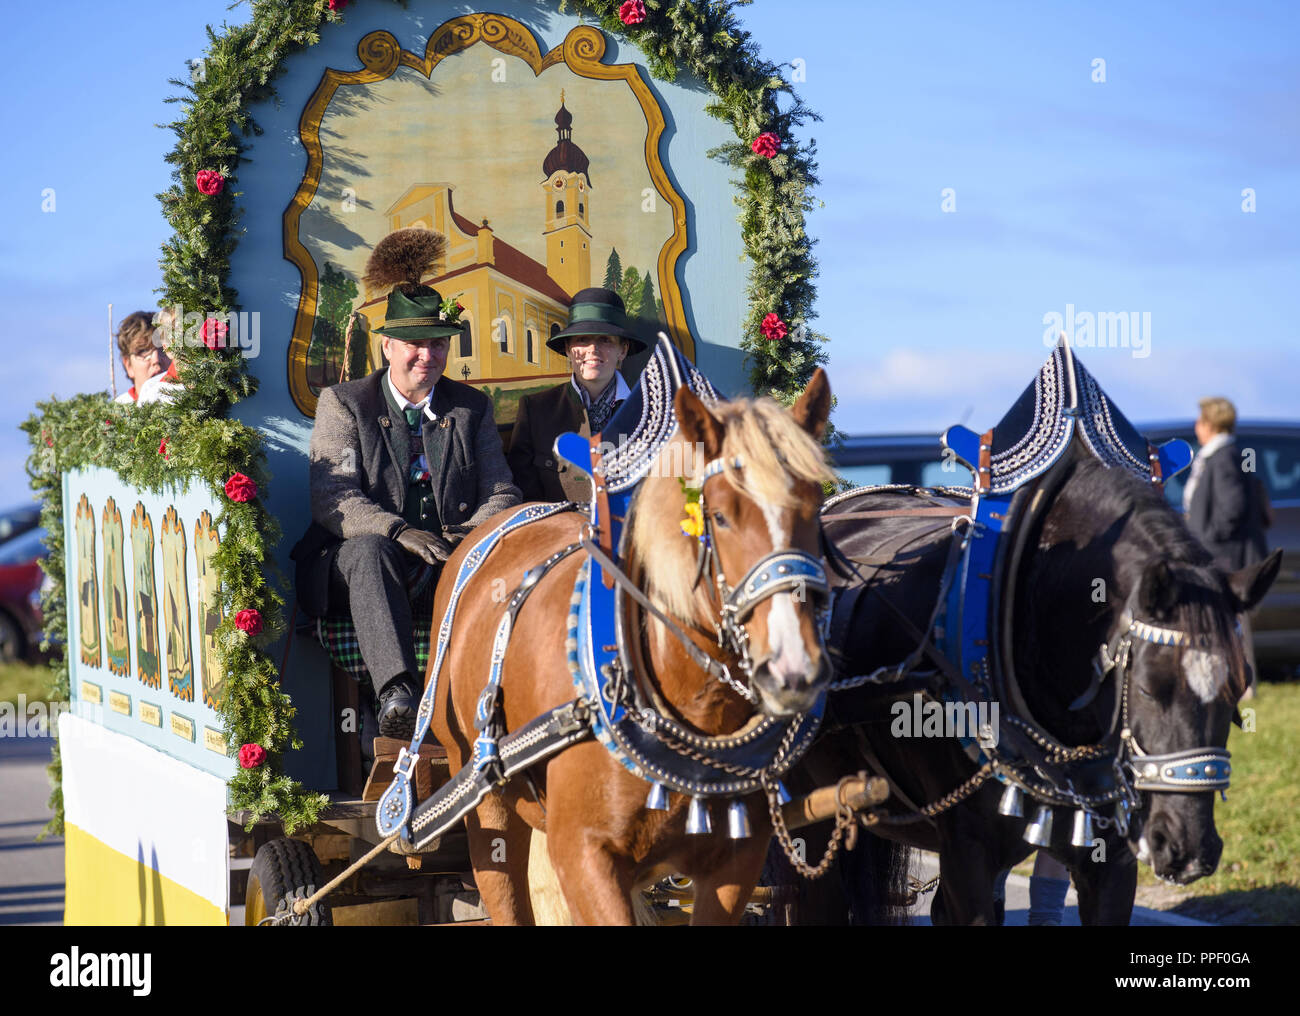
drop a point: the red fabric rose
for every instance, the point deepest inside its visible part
(162, 449)
(251, 755)
(773, 328)
(240, 488)
(766, 145)
(249, 622)
(209, 182)
(632, 12)
(213, 333)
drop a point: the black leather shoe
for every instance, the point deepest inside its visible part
(398, 703)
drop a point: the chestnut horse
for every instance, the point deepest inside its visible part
(602, 841)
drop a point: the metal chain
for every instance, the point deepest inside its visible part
(846, 829)
(732, 769)
(949, 800)
(1057, 752)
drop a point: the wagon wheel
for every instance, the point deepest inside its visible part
(283, 871)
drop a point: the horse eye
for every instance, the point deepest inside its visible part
(720, 520)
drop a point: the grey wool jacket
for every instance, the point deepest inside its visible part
(359, 460)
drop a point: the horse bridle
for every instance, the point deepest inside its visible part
(1192, 770)
(779, 571)
(1188, 771)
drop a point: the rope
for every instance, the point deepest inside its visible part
(301, 907)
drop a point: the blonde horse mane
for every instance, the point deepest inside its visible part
(776, 452)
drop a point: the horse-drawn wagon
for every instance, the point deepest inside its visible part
(616, 669)
(216, 751)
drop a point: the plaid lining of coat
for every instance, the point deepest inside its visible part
(339, 636)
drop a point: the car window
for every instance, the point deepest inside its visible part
(867, 476)
(1277, 460)
(22, 549)
(946, 474)
(18, 520)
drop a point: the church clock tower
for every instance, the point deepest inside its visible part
(567, 193)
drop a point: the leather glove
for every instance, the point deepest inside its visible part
(428, 547)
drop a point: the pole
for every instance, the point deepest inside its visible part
(112, 367)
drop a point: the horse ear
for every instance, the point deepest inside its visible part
(699, 426)
(814, 406)
(1157, 590)
(1251, 583)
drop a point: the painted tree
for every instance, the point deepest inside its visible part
(630, 291)
(325, 351)
(647, 297)
(613, 270)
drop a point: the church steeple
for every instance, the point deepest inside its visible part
(567, 192)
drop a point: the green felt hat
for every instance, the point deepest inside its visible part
(416, 315)
(597, 311)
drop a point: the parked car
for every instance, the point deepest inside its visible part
(20, 582)
(18, 520)
(919, 459)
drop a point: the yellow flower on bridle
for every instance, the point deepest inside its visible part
(693, 524)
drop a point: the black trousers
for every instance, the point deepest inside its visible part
(368, 581)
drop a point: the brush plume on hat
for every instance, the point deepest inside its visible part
(403, 257)
(415, 312)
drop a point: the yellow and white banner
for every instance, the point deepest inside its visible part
(145, 838)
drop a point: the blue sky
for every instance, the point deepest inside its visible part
(1122, 195)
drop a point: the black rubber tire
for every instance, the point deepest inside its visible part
(285, 870)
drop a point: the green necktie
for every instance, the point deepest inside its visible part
(412, 417)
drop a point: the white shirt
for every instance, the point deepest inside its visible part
(403, 403)
(621, 392)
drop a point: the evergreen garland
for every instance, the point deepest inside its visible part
(207, 448)
(706, 39)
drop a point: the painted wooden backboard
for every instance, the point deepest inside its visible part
(543, 172)
(161, 606)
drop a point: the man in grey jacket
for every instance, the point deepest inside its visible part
(404, 462)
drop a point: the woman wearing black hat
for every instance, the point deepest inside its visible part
(599, 337)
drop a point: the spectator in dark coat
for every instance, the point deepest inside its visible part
(1227, 507)
(1222, 499)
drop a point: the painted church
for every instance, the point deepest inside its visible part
(512, 302)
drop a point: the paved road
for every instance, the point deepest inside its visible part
(1018, 901)
(31, 873)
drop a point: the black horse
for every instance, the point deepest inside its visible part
(1109, 563)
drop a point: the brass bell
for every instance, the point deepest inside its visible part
(1039, 832)
(1012, 804)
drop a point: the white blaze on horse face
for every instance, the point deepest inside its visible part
(789, 657)
(1206, 673)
